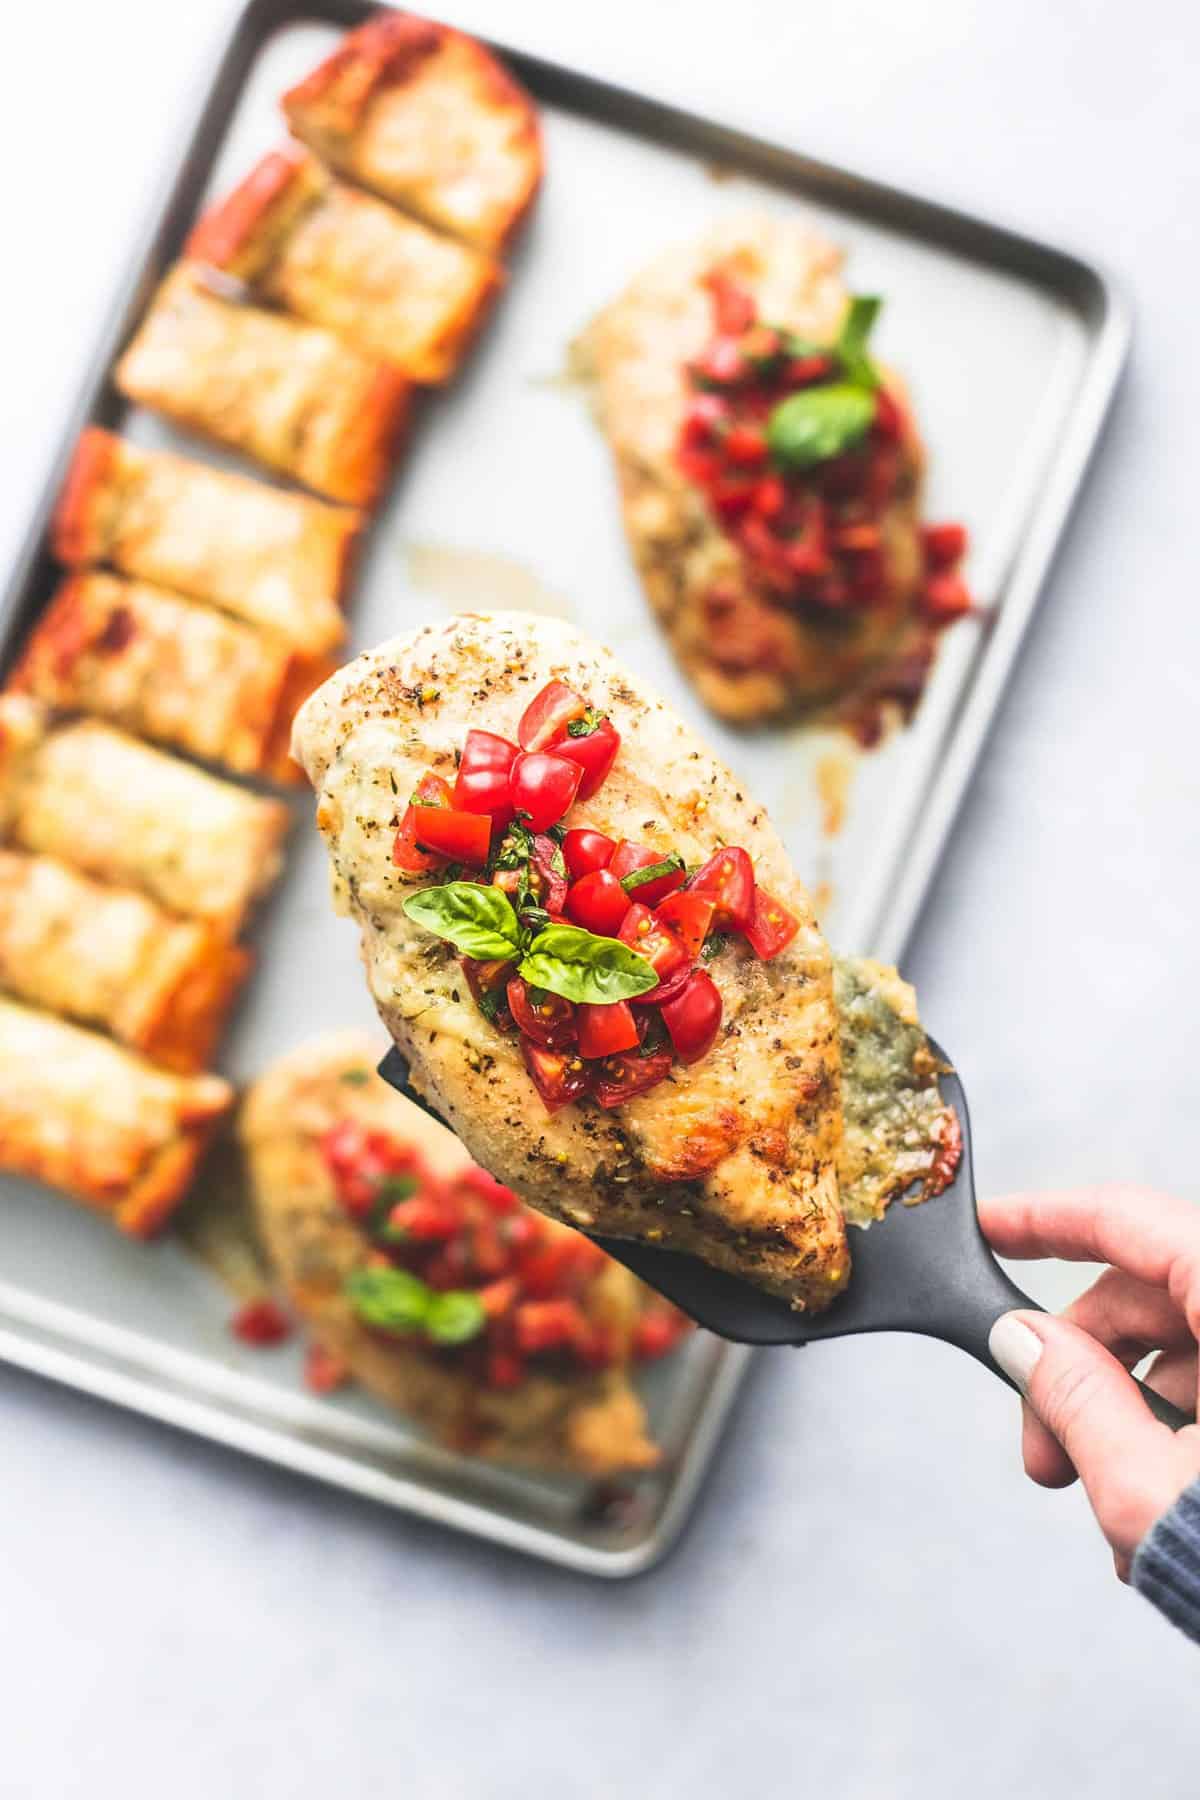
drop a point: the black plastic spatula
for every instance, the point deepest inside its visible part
(922, 1268)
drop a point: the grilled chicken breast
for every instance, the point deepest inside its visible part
(733, 1157)
(752, 654)
(590, 1421)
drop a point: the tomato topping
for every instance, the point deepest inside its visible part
(693, 1017)
(945, 598)
(605, 1030)
(630, 858)
(595, 751)
(431, 791)
(746, 445)
(559, 1076)
(459, 836)
(585, 851)
(657, 943)
(733, 308)
(499, 1200)
(772, 928)
(548, 715)
(944, 546)
(361, 1161)
(550, 882)
(484, 791)
(619, 1078)
(548, 1019)
(727, 879)
(260, 1322)
(598, 902)
(543, 788)
(689, 917)
(666, 989)
(484, 750)
(488, 982)
(323, 1370)
(547, 1325)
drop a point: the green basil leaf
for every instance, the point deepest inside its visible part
(636, 878)
(455, 1317)
(818, 423)
(714, 945)
(861, 315)
(479, 921)
(583, 967)
(389, 1299)
(584, 726)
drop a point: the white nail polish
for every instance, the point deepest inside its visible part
(1015, 1348)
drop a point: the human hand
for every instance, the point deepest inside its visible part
(1083, 1415)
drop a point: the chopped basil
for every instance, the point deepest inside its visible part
(477, 920)
(714, 945)
(355, 1077)
(584, 727)
(585, 968)
(492, 1002)
(851, 346)
(636, 878)
(454, 1317)
(818, 423)
(388, 1299)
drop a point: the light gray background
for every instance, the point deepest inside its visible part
(872, 1602)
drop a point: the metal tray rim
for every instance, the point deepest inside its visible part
(1090, 288)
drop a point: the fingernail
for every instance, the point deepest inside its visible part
(1015, 1348)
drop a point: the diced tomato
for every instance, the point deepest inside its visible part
(360, 1160)
(595, 752)
(944, 546)
(549, 1020)
(770, 497)
(585, 851)
(498, 1297)
(547, 1325)
(460, 836)
(722, 362)
(746, 445)
(727, 879)
(484, 791)
(551, 882)
(554, 1267)
(660, 946)
(488, 982)
(504, 1369)
(658, 1331)
(323, 1370)
(629, 857)
(522, 1231)
(261, 1321)
(945, 598)
(772, 928)
(560, 1076)
(689, 917)
(499, 1200)
(619, 1078)
(598, 902)
(693, 1017)
(426, 1218)
(666, 989)
(543, 788)
(889, 419)
(605, 1030)
(802, 371)
(706, 415)
(597, 1347)
(484, 750)
(431, 791)
(734, 308)
(549, 714)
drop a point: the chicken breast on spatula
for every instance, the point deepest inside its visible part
(587, 939)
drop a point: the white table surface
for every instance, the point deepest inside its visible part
(872, 1603)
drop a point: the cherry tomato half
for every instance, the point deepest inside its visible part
(548, 714)
(944, 546)
(543, 788)
(551, 882)
(431, 791)
(606, 1030)
(689, 916)
(560, 1076)
(595, 753)
(629, 857)
(484, 750)
(772, 928)
(727, 879)
(498, 1199)
(618, 1078)
(461, 836)
(598, 902)
(661, 948)
(586, 850)
(488, 982)
(484, 791)
(549, 1020)
(693, 1017)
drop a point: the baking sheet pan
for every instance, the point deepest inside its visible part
(1012, 350)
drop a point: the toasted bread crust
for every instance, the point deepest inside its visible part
(361, 111)
(79, 531)
(239, 232)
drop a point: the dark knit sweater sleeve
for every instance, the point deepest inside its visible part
(1166, 1567)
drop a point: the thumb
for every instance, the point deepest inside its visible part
(1132, 1467)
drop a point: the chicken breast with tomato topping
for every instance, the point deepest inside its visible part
(587, 939)
(424, 1279)
(770, 474)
